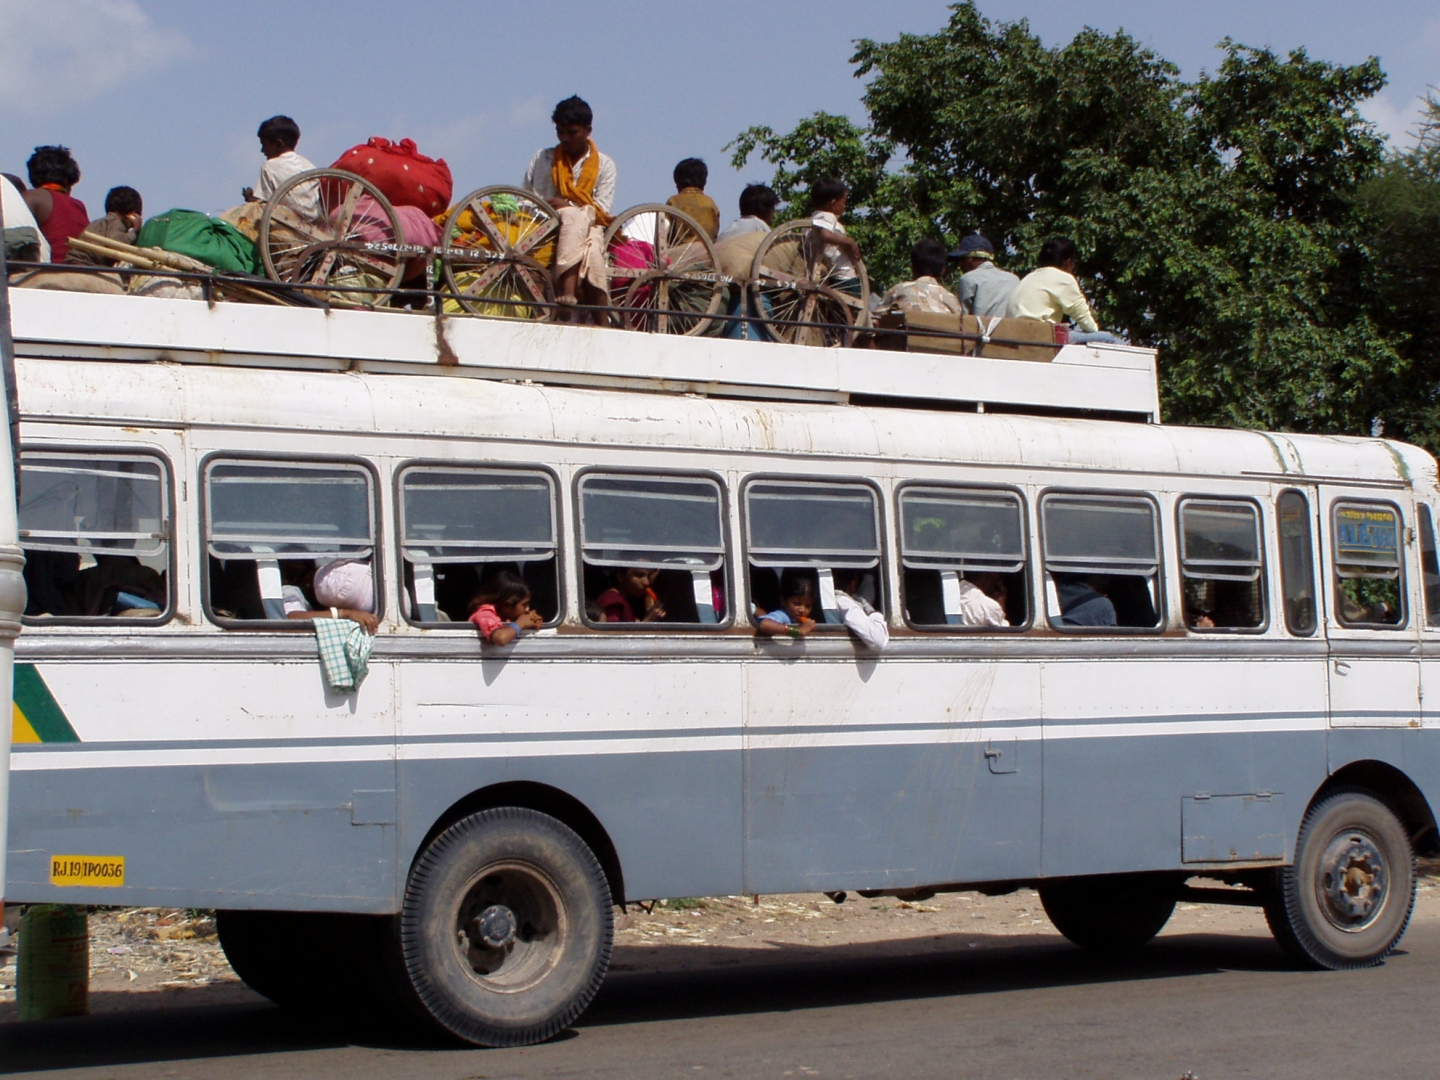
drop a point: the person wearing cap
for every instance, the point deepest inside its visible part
(924, 293)
(983, 288)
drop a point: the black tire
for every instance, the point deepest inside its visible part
(1109, 912)
(506, 928)
(336, 966)
(1346, 900)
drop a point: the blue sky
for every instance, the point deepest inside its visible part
(165, 95)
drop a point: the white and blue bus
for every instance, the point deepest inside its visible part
(1211, 662)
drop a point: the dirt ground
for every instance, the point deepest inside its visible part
(164, 958)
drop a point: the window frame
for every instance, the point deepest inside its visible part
(167, 480)
(1425, 523)
(556, 508)
(1262, 576)
(1026, 546)
(1402, 577)
(1311, 500)
(202, 503)
(1161, 600)
(727, 547)
(882, 561)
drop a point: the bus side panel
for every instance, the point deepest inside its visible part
(651, 749)
(1413, 751)
(229, 836)
(221, 783)
(868, 775)
(1130, 746)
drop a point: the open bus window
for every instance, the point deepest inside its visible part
(1221, 565)
(1369, 581)
(1102, 561)
(828, 532)
(96, 533)
(1297, 562)
(1430, 567)
(962, 554)
(652, 550)
(459, 526)
(270, 526)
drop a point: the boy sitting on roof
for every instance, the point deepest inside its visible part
(278, 138)
(124, 212)
(690, 197)
(828, 199)
(928, 261)
(579, 182)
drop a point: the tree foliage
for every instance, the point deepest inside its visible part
(1220, 221)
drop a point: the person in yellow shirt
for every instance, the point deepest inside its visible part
(690, 197)
(1051, 293)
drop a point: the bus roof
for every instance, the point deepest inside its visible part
(1113, 381)
(294, 404)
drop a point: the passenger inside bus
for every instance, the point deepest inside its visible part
(111, 586)
(1083, 601)
(455, 585)
(1212, 604)
(972, 598)
(501, 610)
(341, 589)
(630, 597)
(791, 616)
(859, 616)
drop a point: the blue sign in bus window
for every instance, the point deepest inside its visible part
(1367, 535)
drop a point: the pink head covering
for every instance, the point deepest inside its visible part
(345, 584)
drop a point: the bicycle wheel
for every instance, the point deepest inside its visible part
(499, 244)
(328, 227)
(663, 266)
(800, 296)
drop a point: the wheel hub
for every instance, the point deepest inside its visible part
(495, 928)
(1353, 881)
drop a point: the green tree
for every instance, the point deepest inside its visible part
(1402, 212)
(1217, 220)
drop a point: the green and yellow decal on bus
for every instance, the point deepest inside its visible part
(36, 716)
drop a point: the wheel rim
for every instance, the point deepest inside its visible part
(499, 244)
(1353, 881)
(510, 928)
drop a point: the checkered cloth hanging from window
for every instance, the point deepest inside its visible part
(344, 652)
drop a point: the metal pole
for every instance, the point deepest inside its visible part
(12, 559)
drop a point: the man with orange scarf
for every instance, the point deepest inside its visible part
(579, 182)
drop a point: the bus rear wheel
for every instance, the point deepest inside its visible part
(1346, 900)
(1110, 912)
(506, 928)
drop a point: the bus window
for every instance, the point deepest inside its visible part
(828, 532)
(1102, 561)
(653, 549)
(1430, 566)
(459, 525)
(963, 558)
(95, 528)
(1221, 564)
(1297, 562)
(1369, 583)
(270, 526)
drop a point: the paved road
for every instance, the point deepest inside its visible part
(1035, 1010)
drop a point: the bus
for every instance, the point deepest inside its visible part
(1202, 674)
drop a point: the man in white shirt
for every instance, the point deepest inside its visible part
(278, 138)
(1051, 293)
(982, 600)
(581, 188)
(865, 624)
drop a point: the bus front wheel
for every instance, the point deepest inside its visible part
(1346, 900)
(1108, 913)
(506, 928)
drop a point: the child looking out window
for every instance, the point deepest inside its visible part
(792, 618)
(501, 609)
